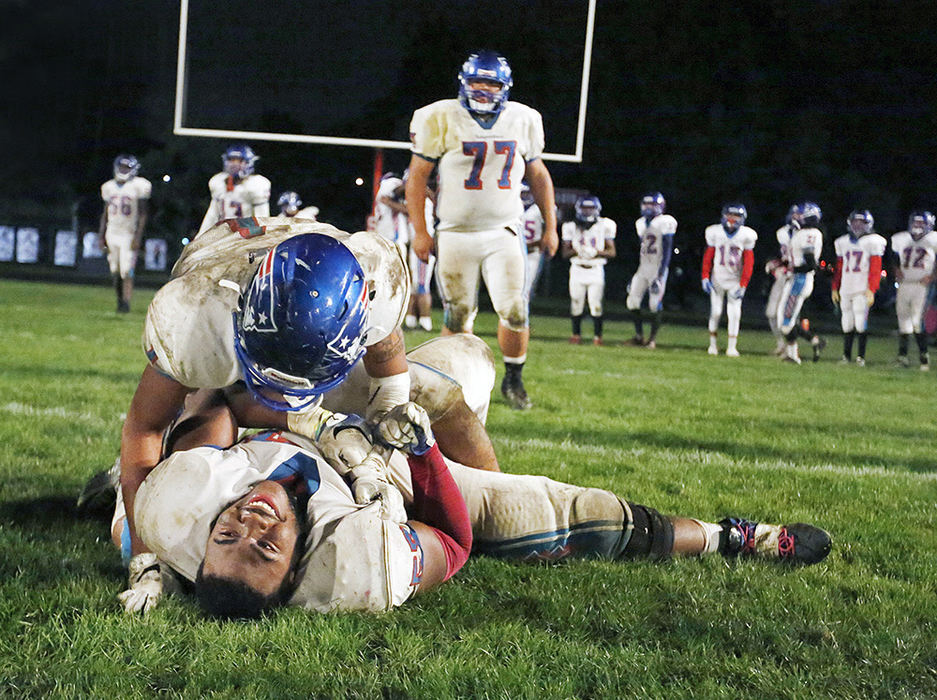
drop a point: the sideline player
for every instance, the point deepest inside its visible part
(291, 206)
(484, 146)
(237, 192)
(806, 244)
(856, 279)
(419, 311)
(589, 242)
(916, 250)
(241, 542)
(532, 223)
(780, 270)
(390, 211)
(126, 208)
(727, 270)
(656, 231)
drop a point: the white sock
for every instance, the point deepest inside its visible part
(711, 532)
(410, 321)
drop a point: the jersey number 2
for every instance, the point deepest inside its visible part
(479, 150)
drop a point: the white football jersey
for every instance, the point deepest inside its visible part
(123, 203)
(856, 254)
(532, 223)
(727, 262)
(595, 236)
(650, 235)
(355, 557)
(915, 257)
(784, 242)
(237, 200)
(189, 331)
(389, 223)
(480, 168)
(803, 241)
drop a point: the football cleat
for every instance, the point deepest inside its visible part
(818, 344)
(515, 393)
(732, 352)
(651, 345)
(100, 491)
(925, 362)
(637, 341)
(597, 341)
(713, 349)
(902, 361)
(575, 339)
(860, 362)
(798, 543)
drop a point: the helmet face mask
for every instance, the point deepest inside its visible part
(733, 217)
(860, 223)
(920, 223)
(302, 322)
(126, 168)
(810, 214)
(238, 161)
(588, 210)
(484, 83)
(653, 204)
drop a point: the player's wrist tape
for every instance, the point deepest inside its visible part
(309, 423)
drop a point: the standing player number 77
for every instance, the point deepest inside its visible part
(479, 150)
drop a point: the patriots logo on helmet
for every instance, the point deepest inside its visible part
(261, 299)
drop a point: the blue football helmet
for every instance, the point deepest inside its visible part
(239, 160)
(653, 204)
(485, 65)
(793, 215)
(733, 217)
(126, 167)
(588, 210)
(289, 203)
(810, 214)
(302, 321)
(920, 223)
(860, 222)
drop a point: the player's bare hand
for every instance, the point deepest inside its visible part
(423, 246)
(869, 297)
(550, 242)
(834, 295)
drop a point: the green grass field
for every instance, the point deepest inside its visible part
(849, 449)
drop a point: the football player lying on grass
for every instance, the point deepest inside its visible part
(267, 521)
(289, 308)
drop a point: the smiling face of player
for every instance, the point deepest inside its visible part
(254, 539)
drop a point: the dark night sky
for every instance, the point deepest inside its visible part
(767, 102)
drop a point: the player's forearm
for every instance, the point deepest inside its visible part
(438, 503)
(666, 243)
(102, 224)
(416, 202)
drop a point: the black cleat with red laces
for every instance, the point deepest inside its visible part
(797, 543)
